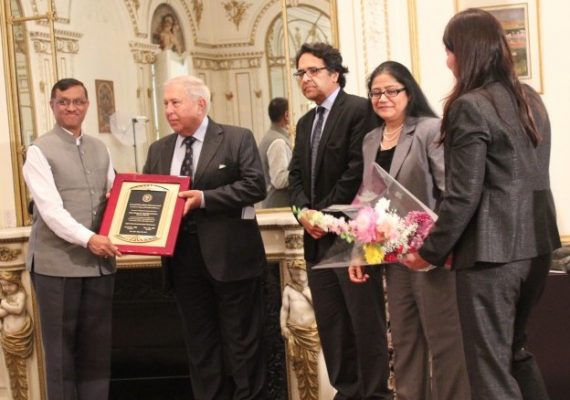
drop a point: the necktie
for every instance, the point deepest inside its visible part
(315, 139)
(186, 169)
(188, 223)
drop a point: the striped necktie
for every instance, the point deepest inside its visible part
(315, 140)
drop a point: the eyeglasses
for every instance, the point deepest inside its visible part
(312, 71)
(68, 102)
(375, 95)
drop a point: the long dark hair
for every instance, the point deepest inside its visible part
(418, 105)
(482, 56)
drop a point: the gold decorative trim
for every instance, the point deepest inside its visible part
(138, 262)
(17, 339)
(220, 62)
(414, 51)
(66, 42)
(298, 263)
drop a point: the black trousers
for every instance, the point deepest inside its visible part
(495, 302)
(351, 320)
(76, 318)
(223, 324)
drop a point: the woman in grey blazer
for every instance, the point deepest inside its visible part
(422, 306)
(497, 215)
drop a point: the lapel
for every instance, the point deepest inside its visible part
(212, 140)
(327, 129)
(169, 145)
(403, 147)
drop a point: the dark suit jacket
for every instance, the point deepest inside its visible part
(230, 175)
(497, 206)
(338, 165)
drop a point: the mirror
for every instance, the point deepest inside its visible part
(237, 47)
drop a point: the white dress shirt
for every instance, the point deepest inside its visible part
(40, 181)
(180, 152)
(278, 158)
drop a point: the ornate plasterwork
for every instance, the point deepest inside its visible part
(132, 8)
(66, 41)
(235, 11)
(375, 36)
(251, 40)
(198, 7)
(296, 263)
(7, 254)
(219, 62)
(144, 53)
(294, 241)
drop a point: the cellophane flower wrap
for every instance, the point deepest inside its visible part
(384, 222)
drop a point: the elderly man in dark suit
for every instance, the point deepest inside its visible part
(326, 169)
(219, 256)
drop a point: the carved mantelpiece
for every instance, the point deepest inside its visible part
(283, 239)
(22, 371)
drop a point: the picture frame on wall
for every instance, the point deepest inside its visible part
(521, 21)
(105, 95)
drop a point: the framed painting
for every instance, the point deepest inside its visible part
(521, 21)
(105, 95)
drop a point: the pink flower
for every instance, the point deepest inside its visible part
(364, 225)
(424, 223)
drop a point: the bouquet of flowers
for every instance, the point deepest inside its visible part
(384, 222)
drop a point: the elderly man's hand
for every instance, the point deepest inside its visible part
(193, 199)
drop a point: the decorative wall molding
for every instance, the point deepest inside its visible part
(144, 53)
(66, 41)
(219, 62)
(132, 8)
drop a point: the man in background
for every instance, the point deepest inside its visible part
(219, 256)
(326, 169)
(275, 151)
(72, 267)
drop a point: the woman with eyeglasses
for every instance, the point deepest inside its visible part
(423, 311)
(497, 217)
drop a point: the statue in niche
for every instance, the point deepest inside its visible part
(16, 331)
(168, 34)
(299, 328)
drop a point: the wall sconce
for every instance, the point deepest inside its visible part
(229, 95)
(257, 93)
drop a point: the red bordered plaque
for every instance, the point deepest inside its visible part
(144, 213)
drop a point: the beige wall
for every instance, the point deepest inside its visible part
(436, 80)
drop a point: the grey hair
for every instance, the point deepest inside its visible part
(195, 87)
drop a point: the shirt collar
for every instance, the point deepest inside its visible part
(199, 134)
(329, 101)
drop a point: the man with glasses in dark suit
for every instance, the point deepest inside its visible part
(326, 169)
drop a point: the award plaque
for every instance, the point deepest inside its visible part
(144, 213)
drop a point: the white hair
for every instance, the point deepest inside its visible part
(195, 87)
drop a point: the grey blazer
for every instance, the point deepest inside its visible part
(418, 158)
(497, 206)
(230, 175)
